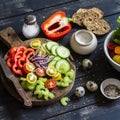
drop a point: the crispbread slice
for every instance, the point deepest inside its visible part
(81, 10)
(82, 13)
(99, 27)
(93, 14)
(92, 19)
(79, 16)
(98, 11)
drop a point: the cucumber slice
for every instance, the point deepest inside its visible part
(63, 52)
(56, 58)
(50, 44)
(62, 66)
(53, 50)
(52, 63)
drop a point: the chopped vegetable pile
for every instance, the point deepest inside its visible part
(42, 67)
(114, 45)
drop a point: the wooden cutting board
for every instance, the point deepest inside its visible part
(11, 82)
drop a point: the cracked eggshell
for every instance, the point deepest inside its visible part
(80, 91)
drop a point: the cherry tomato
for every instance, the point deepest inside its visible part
(50, 84)
(57, 76)
(28, 67)
(35, 44)
(111, 46)
(51, 71)
(31, 78)
(40, 72)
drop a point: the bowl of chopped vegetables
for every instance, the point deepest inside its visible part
(112, 47)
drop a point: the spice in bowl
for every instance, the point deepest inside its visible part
(110, 88)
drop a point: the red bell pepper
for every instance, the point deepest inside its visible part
(17, 57)
(56, 26)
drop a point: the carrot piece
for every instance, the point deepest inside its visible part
(117, 50)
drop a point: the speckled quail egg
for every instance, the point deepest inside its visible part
(87, 63)
(91, 86)
(80, 91)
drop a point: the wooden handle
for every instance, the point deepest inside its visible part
(10, 76)
(21, 92)
(10, 38)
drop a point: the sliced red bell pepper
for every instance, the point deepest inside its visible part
(17, 57)
(56, 26)
(17, 70)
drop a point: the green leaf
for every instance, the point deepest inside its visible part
(118, 19)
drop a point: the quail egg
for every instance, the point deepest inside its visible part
(80, 91)
(91, 86)
(87, 63)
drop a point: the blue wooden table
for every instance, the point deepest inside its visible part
(93, 106)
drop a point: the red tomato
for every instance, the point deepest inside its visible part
(111, 46)
(40, 72)
(27, 67)
(50, 84)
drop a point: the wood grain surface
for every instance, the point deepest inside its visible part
(93, 106)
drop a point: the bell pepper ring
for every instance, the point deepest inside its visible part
(16, 70)
(56, 26)
(17, 57)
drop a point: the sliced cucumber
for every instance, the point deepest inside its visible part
(52, 63)
(50, 44)
(63, 52)
(62, 66)
(57, 58)
(53, 50)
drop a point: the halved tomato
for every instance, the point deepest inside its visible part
(50, 84)
(40, 72)
(31, 78)
(28, 67)
(51, 71)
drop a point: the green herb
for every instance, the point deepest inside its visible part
(118, 19)
(116, 34)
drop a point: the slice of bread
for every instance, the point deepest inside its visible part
(92, 19)
(91, 13)
(98, 27)
(97, 11)
(79, 16)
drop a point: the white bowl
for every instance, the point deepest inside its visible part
(107, 82)
(83, 42)
(113, 63)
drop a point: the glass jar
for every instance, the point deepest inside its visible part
(30, 27)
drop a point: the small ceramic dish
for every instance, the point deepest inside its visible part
(83, 42)
(110, 88)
